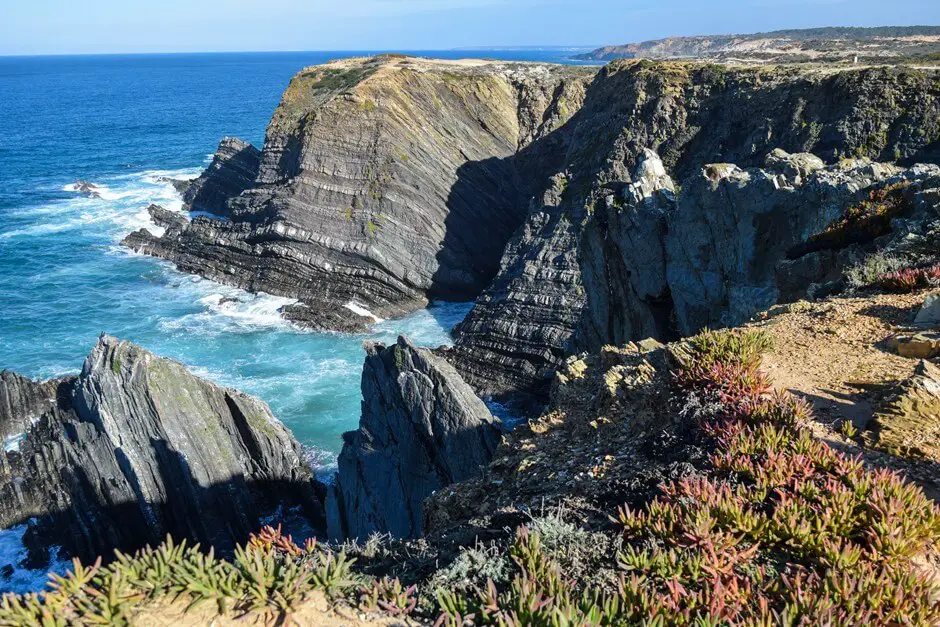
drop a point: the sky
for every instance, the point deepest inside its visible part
(124, 26)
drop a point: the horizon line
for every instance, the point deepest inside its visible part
(367, 51)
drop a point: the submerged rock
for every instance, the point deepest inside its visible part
(233, 170)
(86, 189)
(422, 428)
(135, 448)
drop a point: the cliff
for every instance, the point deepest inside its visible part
(552, 295)
(659, 485)
(886, 44)
(422, 429)
(135, 448)
(383, 182)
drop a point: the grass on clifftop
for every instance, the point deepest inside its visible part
(779, 529)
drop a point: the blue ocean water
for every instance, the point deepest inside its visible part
(123, 123)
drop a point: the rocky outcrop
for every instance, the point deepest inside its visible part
(908, 424)
(732, 228)
(384, 182)
(85, 188)
(233, 169)
(589, 266)
(422, 428)
(135, 448)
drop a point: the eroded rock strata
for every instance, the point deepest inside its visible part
(422, 428)
(578, 204)
(591, 264)
(135, 448)
(233, 169)
(383, 182)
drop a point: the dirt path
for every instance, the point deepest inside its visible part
(834, 355)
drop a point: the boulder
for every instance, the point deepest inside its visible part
(422, 429)
(908, 424)
(135, 448)
(929, 314)
(924, 345)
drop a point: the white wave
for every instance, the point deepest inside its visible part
(228, 309)
(359, 310)
(13, 552)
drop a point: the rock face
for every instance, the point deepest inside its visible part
(135, 448)
(233, 170)
(383, 182)
(388, 181)
(591, 264)
(422, 428)
(908, 424)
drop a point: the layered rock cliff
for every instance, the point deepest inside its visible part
(135, 448)
(383, 182)
(589, 265)
(422, 428)
(387, 181)
(233, 169)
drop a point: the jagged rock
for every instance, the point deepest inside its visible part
(233, 169)
(909, 423)
(86, 188)
(794, 167)
(731, 230)
(422, 428)
(135, 448)
(623, 261)
(170, 220)
(385, 181)
(180, 185)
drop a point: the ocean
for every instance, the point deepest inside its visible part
(125, 123)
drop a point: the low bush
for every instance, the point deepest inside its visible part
(909, 279)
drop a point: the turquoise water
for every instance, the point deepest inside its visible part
(123, 122)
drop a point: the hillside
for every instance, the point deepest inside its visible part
(877, 46)
(695, 481)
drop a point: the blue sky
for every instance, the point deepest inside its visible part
(102, 26)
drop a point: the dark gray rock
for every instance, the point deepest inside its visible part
(732, 227)
(180, 185)
(233, 169)
(422, 428)
(86, 188)
(135, 448)
(170, 220)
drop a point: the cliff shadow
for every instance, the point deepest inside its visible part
(484, 208)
